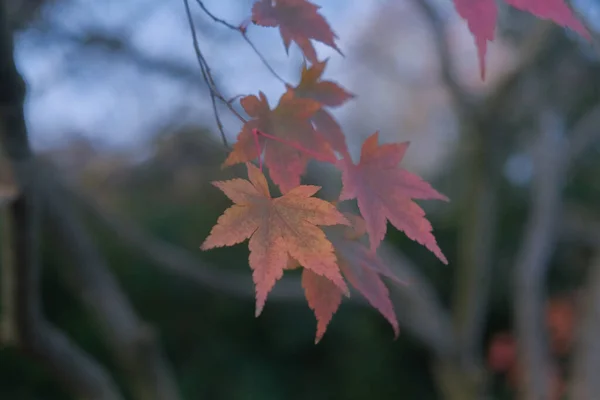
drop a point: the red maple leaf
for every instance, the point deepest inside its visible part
(363, 269)
(481, 16)
(385, 191)
(290, 123)
(311, 86)
(329, 94)
(279, 229)
(298, 21)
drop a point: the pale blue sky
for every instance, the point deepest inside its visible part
(116, 102)
(112, 100)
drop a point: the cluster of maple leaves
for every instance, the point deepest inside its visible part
(284, 232)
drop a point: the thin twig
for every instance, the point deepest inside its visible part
(218, 120)
(321, 157)
(264, 60)
(204, 68)
(215, 18)
(246, 38)
(208, 78)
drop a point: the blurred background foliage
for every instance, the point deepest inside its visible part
(161, 181)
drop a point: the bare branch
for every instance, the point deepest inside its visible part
(206, 74)
(178, 261)
(579, 224)
(476, 259)
(215, 18)
(534, 256)
(205, 69)
(464, 378)
(246, 38)
(412, 301)
(133, 343)
(23, 322)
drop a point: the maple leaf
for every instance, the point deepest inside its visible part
(323, 297)
(360, 266)
(385, 191)
(481, 17)
(363, 268)
(329, 94)
(289, 122)
(298, 21)
(278, 228)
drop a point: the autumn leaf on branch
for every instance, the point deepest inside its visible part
(297, 140)
(360, 266)
(481, 17)
(311, 86)
(298, 21)
(323, 297)
(278, 228)
(385, 191)
(363, 268)
(284, 232)
(329, 94)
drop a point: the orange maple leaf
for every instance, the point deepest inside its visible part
(323, 297)
(298, 21)
(278, 228)
(329, 94)
(385, 191)
(290, 123)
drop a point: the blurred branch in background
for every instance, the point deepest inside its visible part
(535, 254)
(133, 343)
(23, 321)
(451, 323)
(417, 299)
(461, 96)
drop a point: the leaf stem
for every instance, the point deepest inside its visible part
(256, 142)
(313, 154)
(242, 31)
